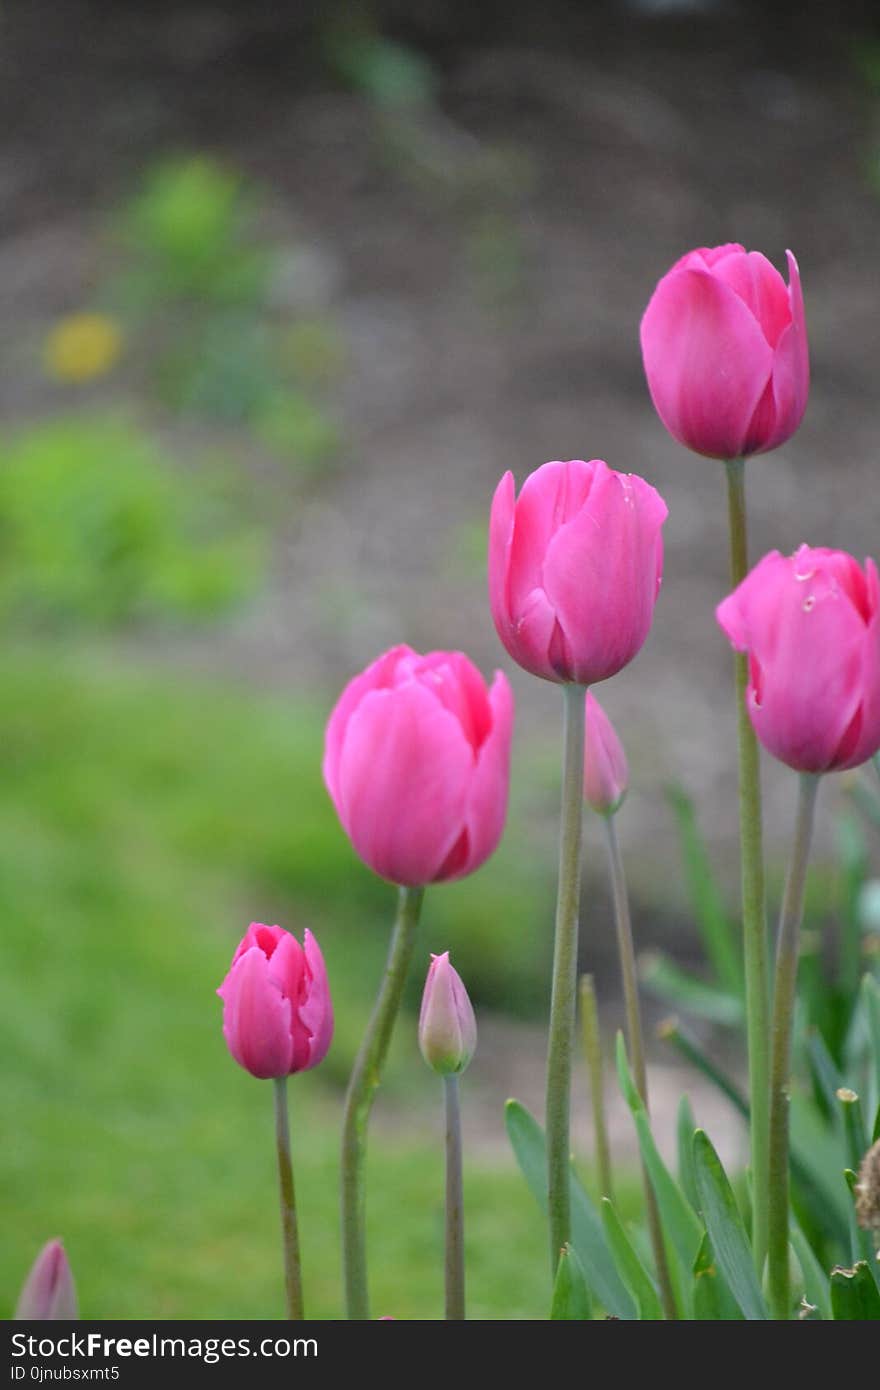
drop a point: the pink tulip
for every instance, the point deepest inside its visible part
(724, 342)
(575, 564)
(417, 763)
(48, 1294)
(277, 1014)
(606, 774)
(809, 623)
(447, 1027)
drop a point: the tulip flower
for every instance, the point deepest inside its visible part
(277, 1020)
(606, 774)
(448, 1038)
(575, 564)
(48, 1294)
(417, 763)
(277, 1014)
(724, 344)
(447, 1027)
(810, 624)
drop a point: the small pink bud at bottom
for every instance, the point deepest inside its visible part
(48, 1294)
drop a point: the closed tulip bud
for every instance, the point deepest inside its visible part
(575, 564)
(417, 763)
(48, 1294)
(277, 1014)
(606, 774)
(810, 623)
(724, 343)
(447, 1027)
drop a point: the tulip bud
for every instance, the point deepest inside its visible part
(724, 343)
(810, 623)
(447, 1027)
(606, 774)
(575, 564)
(417, 763)
(277, 1013)
(48, 1294)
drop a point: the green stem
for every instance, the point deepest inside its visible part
(780, 1067)
(636, 1046)
(565, 951)
(365, 1078)
(593, 1053)
(454, 1203)
(289, 1232)
(753, 907)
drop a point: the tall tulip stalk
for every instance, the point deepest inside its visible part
(417, 763)
(575, 564)
(724, 345)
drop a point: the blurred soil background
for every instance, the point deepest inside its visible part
(284, 290)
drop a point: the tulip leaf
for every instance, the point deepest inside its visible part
(816, 1287)
(713, 1301)
(682, 1230)
(571, 1297)
(629, 1265)
(663, 977)
(587, 1236)
(854, 1294)
(726, 1231)
(685, 1126)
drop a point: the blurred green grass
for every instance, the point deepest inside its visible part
(145, 819)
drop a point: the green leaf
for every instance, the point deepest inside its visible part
(629, 1265)
(587, 1236)
(854, 1294)
(687, 1176)
(713, 1301)
(824, 1069)
(816, 1288)
(726, 1230)
(663, 977)
(682, 1230)
(571, 1297)
(716, 928)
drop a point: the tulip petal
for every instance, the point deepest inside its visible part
(460, 688)
(379, 675)
(256, 1017)
(551, 496)
(403, 778)
(759, 285)
(48, 1294)
(707, 361)
(316, 1011)
(791, 370)
(601, 574)
(486, 809)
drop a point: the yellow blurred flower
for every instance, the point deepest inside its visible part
(81, 347)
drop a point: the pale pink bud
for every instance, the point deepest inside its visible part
(606, 774)
(417, 763)
(447, 1027)
(724, 342)
(277, 1013)
(48, 1294)
(810, 623)
(575, 564)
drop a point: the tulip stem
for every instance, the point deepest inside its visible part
(787, 944)
(289, 1231)
(636, 1046)
(365, 1078)
(565, 954)
(593, 1053)
(753, 906)
(454, 1203)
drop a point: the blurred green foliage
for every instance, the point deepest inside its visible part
(144, 821)
(99, 528)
